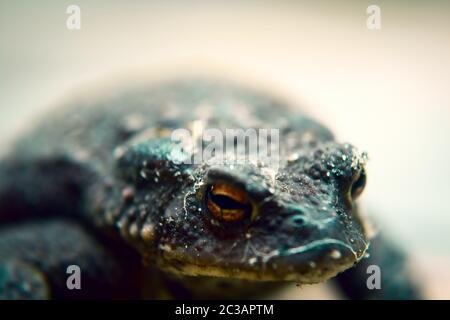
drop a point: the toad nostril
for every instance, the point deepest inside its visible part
(298, 221)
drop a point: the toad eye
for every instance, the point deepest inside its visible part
(358, 184)
(228, 203)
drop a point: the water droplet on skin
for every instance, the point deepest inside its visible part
(147, 232)
(165, 247)
(143, 174)
(335, 254)
(134, 231)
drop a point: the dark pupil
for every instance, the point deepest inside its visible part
(359, 184)
(225, 202)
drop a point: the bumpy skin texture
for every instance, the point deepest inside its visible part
(109, 164)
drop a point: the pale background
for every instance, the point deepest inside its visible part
(386, 91)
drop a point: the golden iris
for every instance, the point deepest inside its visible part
(227, 202)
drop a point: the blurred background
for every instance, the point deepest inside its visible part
(386, 90)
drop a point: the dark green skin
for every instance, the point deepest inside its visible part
(99, 180)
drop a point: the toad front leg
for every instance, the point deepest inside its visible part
(34, 258)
